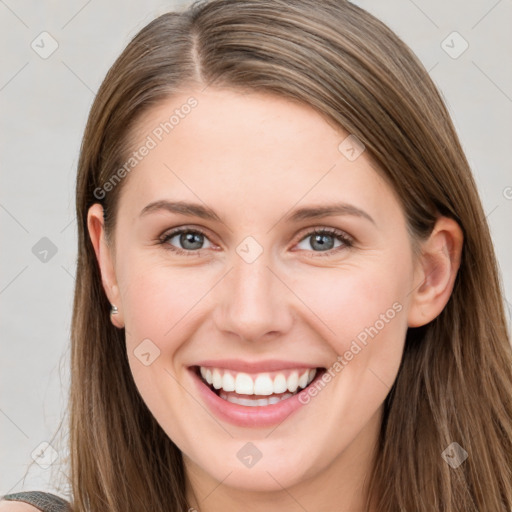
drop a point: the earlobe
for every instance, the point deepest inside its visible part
(436, 272)
(104, 257)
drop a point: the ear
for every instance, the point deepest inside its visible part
(436, 271)
(95, 224)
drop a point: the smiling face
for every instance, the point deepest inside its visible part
(254, 290)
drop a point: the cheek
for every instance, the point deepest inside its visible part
(157, 299)
(158, 305)
(360, 311)
(354, 302)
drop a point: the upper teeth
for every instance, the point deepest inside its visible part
(258, 384)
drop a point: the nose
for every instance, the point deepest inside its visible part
(253, 301)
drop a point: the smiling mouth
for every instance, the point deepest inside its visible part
(260, 389)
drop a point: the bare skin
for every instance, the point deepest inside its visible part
(254, 159)
(16, 506)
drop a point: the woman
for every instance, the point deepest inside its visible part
(305, 310)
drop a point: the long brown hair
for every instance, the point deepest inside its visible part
(455, 379)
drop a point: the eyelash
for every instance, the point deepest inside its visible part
(336, 233)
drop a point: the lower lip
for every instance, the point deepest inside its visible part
(247, 416)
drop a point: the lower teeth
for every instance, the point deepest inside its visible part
(254, 402)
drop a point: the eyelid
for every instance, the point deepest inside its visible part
(311, 230)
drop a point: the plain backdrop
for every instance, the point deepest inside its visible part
(45, 101)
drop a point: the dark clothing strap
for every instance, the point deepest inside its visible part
(44, 501)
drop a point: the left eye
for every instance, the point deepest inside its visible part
(191, 240)
(324, 240)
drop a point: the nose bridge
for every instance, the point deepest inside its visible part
(253, 301)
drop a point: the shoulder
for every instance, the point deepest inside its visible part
(16, 506)
(33, 501)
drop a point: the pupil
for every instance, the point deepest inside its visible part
(323, 245)
(191, 238)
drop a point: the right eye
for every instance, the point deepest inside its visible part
(189, 239)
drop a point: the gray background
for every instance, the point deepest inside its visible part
(44, 105)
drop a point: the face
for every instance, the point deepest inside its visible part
(261, 296)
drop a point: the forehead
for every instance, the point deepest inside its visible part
(255, 149)
(220, 118)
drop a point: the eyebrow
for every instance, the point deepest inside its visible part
(327, 210)
(191, 209)
(304, 213)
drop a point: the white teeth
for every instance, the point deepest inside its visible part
(263, 385)
(207, 375)
(303, 380)
(228, 382)
(244, 384)
(293, 382)
(254, 402)
(217, 379)
(280, 383)
(260, 384)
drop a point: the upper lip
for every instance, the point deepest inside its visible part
(267, 365)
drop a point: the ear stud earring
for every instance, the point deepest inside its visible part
(113, 310)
